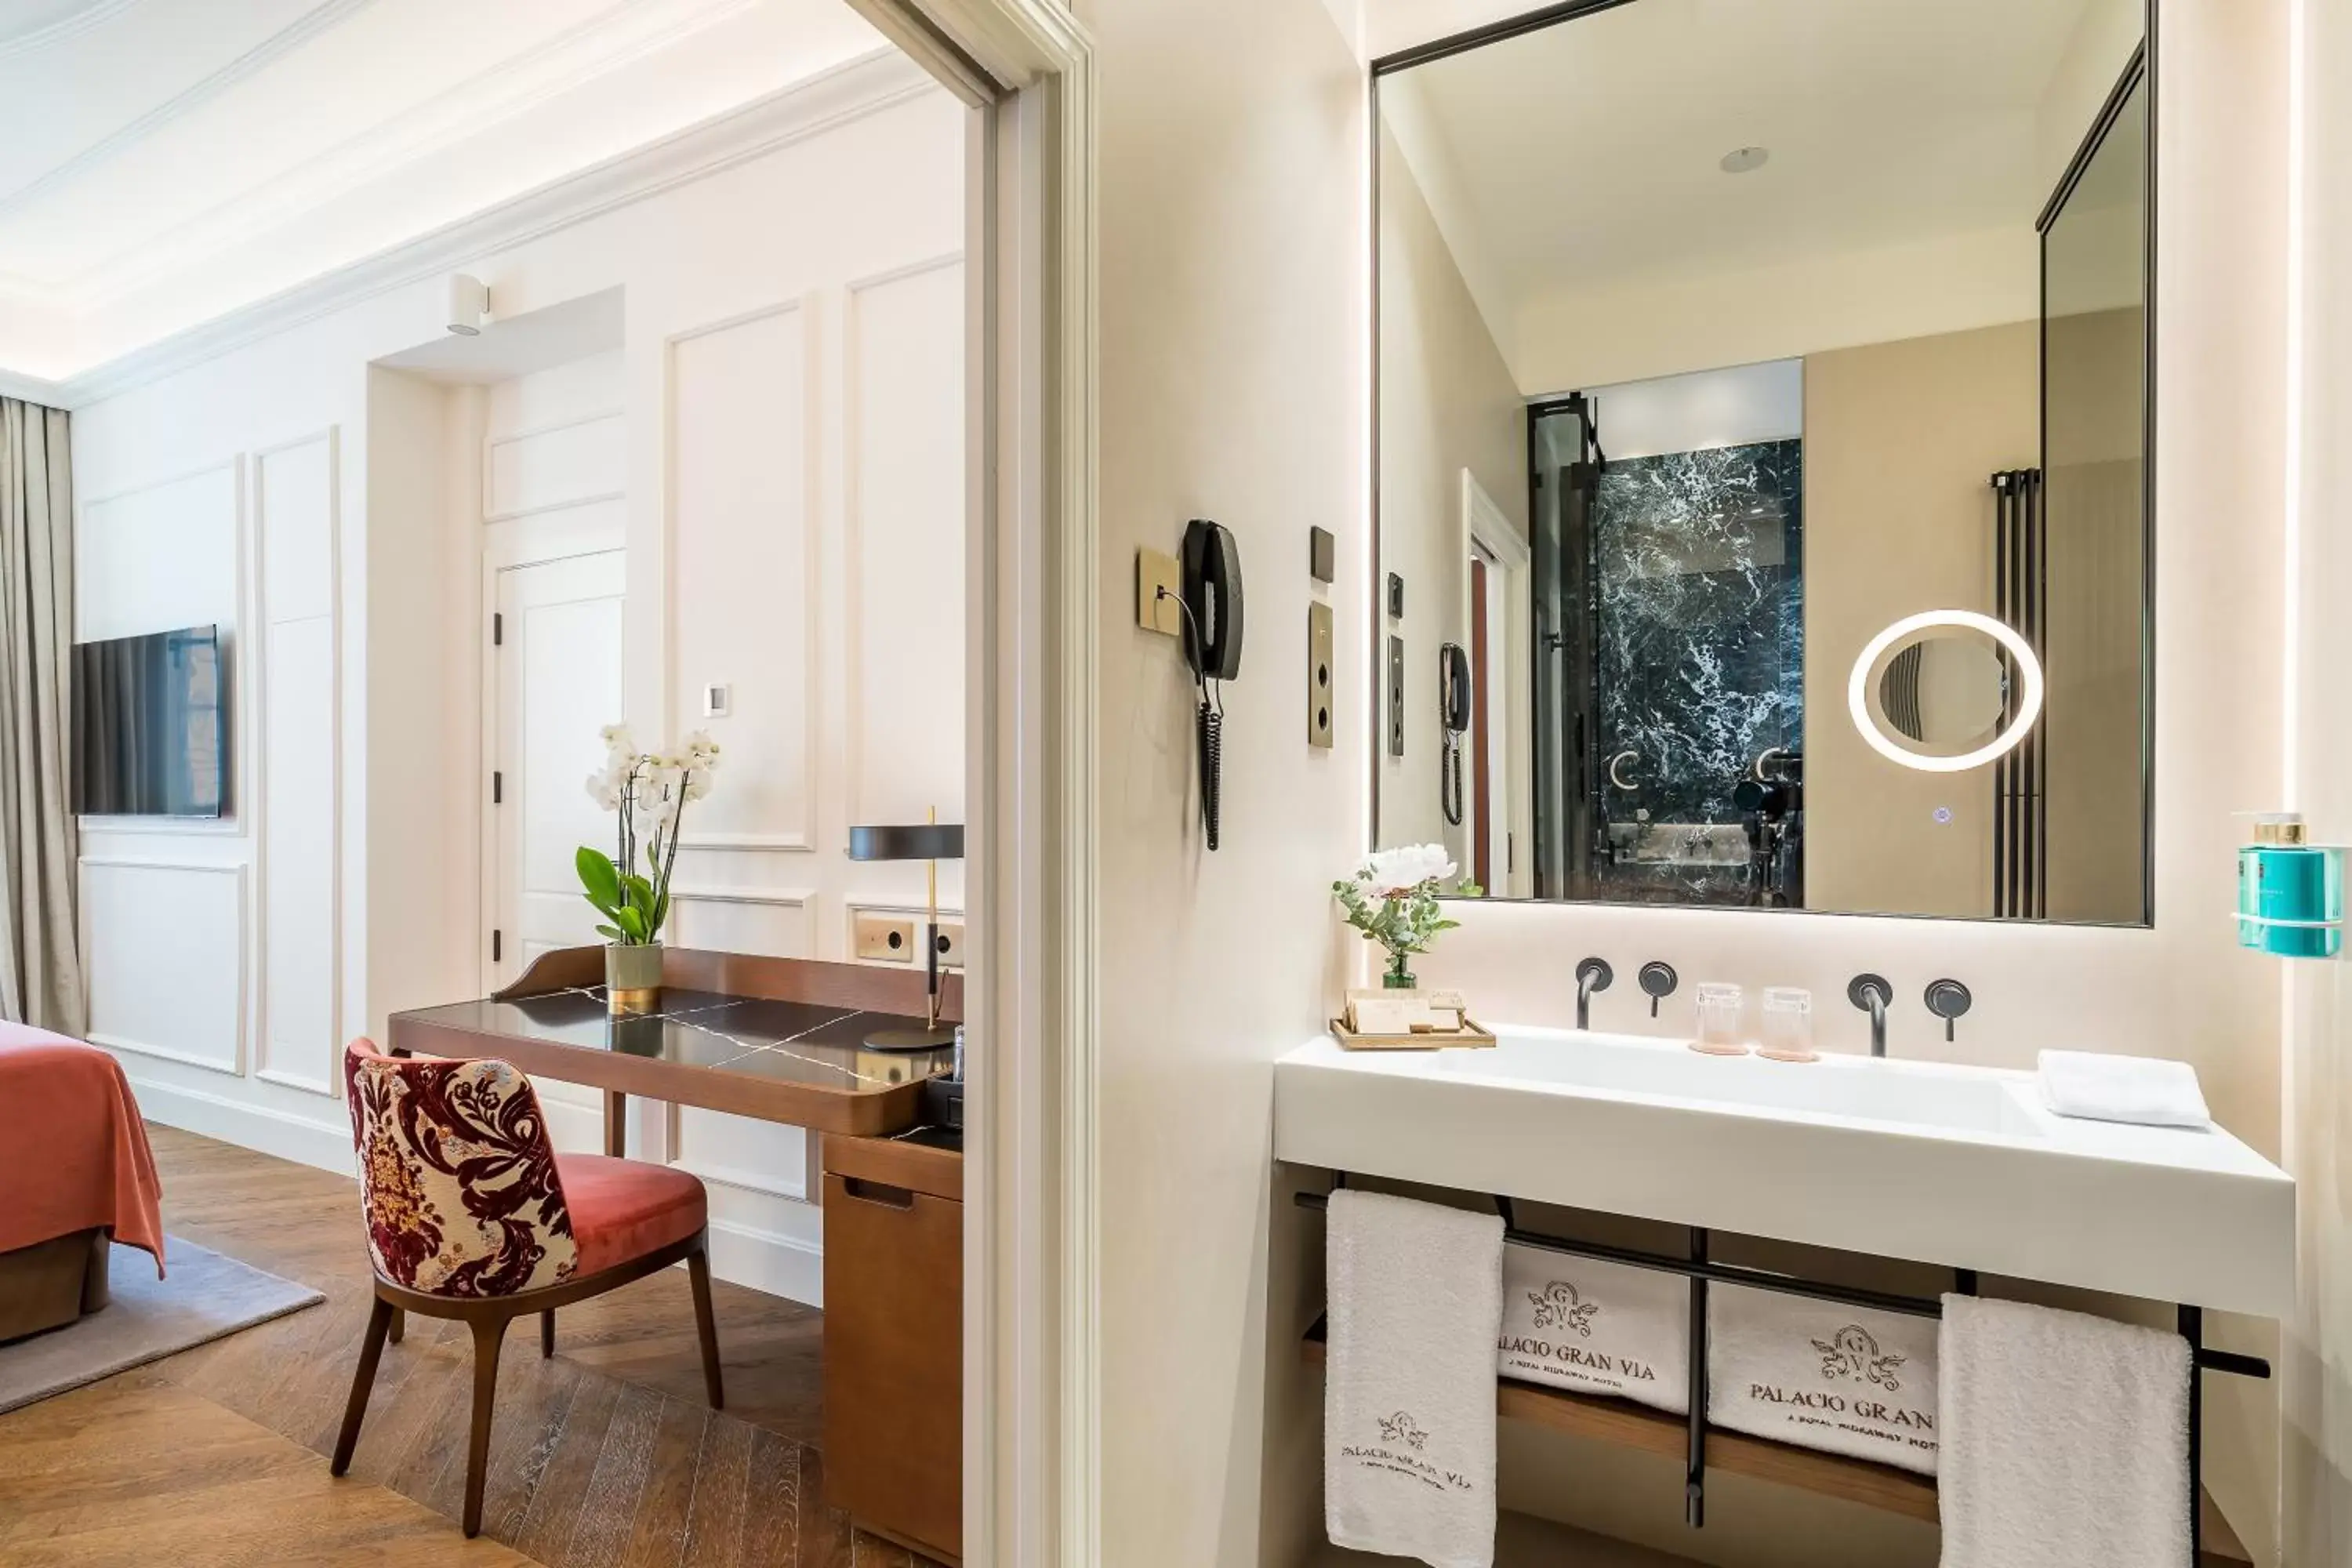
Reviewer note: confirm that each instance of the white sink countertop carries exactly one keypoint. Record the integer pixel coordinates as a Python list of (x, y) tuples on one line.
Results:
[(1934, 1162)]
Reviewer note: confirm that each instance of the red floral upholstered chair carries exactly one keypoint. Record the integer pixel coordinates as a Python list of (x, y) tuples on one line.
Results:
[(472, 1215)]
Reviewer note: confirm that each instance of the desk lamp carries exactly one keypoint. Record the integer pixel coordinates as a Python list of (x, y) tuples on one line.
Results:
[(933, 841)]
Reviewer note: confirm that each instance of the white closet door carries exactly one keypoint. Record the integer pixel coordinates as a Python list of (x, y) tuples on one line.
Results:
[(556, 683)]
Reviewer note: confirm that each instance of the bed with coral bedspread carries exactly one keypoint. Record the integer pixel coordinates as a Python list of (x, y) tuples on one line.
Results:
[(74, 1173)]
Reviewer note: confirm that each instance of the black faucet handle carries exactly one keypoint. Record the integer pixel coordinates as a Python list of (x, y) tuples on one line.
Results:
[(1864, 987), (1948, 999), (1658, 978)]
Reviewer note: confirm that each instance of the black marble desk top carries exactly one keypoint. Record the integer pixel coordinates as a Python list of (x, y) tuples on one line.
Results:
[(806, 1043)]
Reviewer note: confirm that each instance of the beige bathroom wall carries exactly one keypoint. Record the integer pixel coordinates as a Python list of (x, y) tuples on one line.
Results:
[(1447, 403), (1234, 335), (2316, 1373), (1900, 441), (2184, 988)]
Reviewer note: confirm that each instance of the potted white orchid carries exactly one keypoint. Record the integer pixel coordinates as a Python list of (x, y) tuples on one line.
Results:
[(1392, 899), (648, 792)]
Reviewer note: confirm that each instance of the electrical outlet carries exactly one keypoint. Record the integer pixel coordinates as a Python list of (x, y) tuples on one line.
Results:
[(950, 940), (1318, 676), (717, 700), (889, 939)]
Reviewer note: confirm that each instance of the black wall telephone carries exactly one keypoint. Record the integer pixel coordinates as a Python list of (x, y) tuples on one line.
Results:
[(1453, 708), (1212, 645)]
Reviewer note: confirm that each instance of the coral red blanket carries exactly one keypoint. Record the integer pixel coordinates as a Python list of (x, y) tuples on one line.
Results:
[(73, 1151)]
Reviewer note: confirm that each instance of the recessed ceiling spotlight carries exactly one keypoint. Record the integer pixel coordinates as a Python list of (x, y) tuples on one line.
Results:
[(1745, 160)]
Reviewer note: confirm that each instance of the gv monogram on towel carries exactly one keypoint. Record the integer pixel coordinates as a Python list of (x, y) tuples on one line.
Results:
[(1822, 1375), (1596, 1328)]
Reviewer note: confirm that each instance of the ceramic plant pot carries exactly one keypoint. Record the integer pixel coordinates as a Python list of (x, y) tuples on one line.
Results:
[(633, 978)]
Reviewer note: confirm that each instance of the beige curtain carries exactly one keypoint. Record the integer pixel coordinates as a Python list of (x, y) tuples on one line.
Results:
[(40, 947)]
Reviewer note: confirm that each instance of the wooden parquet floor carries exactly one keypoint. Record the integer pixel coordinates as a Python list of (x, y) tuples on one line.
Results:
[(606, 1456)]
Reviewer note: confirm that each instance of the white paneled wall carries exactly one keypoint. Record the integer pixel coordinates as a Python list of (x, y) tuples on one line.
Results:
[(743, 563), (775, 443), (815, 541), (164, 942), (299, 698)]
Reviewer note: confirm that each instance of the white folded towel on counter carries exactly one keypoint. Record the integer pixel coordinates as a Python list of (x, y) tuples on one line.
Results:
[(1596, 1328), (1819, 1375), (2066, 1439), (2143, 1091), (1409, 1403)]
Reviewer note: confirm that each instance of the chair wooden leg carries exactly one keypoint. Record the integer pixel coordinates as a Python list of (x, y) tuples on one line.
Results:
[(371, 1350), (399, 1323), (487, 1335), (546, 1333), (697, 1268)]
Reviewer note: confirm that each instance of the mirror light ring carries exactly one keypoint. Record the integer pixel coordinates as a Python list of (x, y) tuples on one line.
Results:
[(2022, 655)]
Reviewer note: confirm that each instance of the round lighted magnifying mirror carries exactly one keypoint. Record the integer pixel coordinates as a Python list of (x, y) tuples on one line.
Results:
[(1927, 692)]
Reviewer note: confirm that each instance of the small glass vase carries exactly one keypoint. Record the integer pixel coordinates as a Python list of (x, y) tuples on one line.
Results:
[(633, 977), (1398, 977)]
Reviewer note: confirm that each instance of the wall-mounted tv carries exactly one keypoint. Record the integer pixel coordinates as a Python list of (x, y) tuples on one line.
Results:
[(151, 725)]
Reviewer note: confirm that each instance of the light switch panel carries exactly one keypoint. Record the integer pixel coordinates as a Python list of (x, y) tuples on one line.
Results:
[(717, 700), (1396, 697), (1154, 612), (1318, 676)]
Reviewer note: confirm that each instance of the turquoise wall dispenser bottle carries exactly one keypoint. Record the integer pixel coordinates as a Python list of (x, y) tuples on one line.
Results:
[(2290, 892)]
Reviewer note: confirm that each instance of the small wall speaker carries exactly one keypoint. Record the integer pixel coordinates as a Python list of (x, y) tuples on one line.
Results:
[(469, 304)]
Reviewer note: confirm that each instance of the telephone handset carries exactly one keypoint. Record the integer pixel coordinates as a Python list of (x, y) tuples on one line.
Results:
[(1212, 596), (1453, 710), (1212, 645)]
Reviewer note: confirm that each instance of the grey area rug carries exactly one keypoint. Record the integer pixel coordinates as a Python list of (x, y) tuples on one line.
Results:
[(204, 1297)]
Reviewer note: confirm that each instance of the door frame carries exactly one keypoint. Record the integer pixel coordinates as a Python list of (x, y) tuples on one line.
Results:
[(1485, 526), (1027, 70)]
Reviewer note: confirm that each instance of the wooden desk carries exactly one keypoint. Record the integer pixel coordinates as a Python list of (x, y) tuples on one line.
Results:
[(772, 1038)]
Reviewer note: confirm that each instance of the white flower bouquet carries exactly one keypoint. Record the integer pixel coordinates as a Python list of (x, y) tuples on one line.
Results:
[(1392, 899), (649, 793)]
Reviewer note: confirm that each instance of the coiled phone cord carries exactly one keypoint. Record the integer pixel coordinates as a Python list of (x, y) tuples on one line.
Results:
[(1211, 727), (1449, 777)]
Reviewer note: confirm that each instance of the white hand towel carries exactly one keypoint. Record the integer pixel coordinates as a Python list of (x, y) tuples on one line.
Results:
[(1597, 1328), (1409, 1404), (2141, 1089), (1819, 1375), (2066, 1439)]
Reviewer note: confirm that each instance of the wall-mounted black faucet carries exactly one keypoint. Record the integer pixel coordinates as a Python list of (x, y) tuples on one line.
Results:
[(1872, 994), (1948, 999), (1592, 974), (1658, 979)]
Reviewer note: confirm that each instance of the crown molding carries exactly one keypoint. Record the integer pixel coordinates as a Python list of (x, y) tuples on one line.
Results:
[(616, 37), (33, 389), (63, 27), (868, 85), (319, 20)]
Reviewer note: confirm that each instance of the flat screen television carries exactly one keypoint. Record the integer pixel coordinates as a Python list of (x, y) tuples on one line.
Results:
[(151, 725)]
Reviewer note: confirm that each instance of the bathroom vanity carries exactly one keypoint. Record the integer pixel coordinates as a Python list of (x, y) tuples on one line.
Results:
[(1930, 1162), (1933, 1164)]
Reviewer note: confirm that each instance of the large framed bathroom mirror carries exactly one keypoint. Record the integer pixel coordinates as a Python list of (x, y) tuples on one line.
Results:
[(1764, 402)]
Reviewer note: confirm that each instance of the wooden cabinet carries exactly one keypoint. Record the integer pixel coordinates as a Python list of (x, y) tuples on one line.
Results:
[(894, 1338)]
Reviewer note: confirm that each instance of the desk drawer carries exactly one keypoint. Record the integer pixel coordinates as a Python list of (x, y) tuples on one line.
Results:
[(894, 1359)]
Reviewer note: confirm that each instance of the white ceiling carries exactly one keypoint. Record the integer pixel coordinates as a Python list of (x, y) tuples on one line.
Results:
[(163, 162), (1584, 158)]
